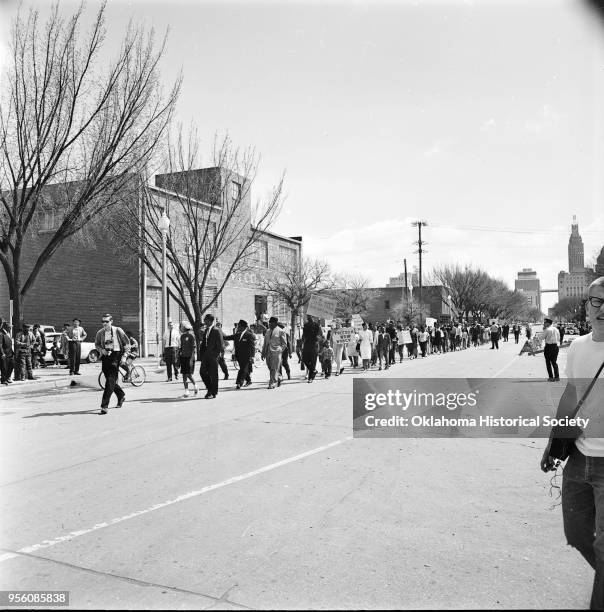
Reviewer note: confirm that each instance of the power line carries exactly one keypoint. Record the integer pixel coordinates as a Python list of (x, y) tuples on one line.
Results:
[(511, 231)]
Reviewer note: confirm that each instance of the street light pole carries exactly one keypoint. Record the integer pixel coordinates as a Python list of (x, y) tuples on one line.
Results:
[(164, 226)]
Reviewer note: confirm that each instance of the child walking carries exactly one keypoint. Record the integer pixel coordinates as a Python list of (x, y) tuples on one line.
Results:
[(326, 358)]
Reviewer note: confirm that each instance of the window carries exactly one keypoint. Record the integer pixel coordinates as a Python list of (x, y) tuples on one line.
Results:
[(209, 294), (387, 304), (280, 310), (261, 254), (235, 191), (260, 305), (287, 256), (48, 218)]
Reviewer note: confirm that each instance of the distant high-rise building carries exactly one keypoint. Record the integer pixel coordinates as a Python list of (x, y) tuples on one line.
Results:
[(576, 256), (574, 283), (600, 264), (529, 284)]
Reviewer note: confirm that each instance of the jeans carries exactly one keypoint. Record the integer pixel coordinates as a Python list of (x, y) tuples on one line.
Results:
[(75, 356), (24, 365), (583, 515)]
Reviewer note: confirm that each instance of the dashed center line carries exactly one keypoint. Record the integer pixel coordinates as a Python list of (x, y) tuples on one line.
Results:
[(76, 534)]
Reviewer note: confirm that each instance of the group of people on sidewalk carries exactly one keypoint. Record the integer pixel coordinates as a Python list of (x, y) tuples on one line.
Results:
[(19, 358)]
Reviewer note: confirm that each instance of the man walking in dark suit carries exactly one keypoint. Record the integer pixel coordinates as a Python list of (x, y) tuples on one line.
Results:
[(210, 348), (245, 351)]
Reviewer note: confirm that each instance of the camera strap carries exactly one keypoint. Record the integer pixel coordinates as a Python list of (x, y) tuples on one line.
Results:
[(587, 391)]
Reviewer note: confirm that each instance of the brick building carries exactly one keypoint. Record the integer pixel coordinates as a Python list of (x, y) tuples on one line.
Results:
[(87, 278), (434, 297)]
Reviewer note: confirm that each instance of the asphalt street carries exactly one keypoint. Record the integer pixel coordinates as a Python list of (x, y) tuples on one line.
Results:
[(262, 499)]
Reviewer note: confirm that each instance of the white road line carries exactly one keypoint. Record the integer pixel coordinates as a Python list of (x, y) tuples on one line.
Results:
[(76, 534), (505, 367)]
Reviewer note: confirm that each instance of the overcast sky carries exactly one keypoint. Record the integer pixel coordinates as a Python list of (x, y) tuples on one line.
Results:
[(467, 114)]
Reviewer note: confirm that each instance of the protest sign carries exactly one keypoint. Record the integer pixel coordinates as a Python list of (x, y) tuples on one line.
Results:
[(342, 335), (357, 322), (321, 307)]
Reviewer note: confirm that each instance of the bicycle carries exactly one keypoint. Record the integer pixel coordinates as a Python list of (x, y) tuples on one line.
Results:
[(136, 376)]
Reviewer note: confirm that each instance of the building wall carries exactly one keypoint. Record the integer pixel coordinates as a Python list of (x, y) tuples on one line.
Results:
[(86, 279), (599, 270), (528, 283), (83, 279), (388, 298), (574, 284)]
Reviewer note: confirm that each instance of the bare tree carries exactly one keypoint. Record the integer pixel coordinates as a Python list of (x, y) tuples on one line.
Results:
[(353, 295), (215, 231), (411, 312), (74, 130), (465, 285), (501, 302), (295, 283), (568, 308)]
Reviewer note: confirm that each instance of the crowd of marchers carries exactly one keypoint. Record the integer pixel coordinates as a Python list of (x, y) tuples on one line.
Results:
[(320, 351)]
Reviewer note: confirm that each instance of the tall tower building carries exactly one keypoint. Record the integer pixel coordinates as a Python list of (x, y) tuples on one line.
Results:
[(576, 259), (574, 283)]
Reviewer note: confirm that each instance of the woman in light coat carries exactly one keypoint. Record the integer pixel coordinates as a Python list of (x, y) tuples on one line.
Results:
[(366, 342), (338, 346)]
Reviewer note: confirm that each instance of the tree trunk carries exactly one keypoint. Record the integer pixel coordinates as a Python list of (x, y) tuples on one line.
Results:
[(17, 298), (292, 335)]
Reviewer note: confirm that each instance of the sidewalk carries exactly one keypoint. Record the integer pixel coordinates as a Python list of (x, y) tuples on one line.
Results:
[(49, 378)]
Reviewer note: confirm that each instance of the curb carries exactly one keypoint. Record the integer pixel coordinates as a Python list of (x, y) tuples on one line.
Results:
[(63, 382)]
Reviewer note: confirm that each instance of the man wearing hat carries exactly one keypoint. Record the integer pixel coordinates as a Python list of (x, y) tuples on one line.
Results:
[(210, 347), (275, 341), (551, 340), (245, 351), (24, 344)]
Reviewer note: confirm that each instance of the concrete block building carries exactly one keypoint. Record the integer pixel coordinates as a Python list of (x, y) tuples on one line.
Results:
[(88, 276)]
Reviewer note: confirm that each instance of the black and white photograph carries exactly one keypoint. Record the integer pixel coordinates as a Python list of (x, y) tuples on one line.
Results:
[(302, 304)]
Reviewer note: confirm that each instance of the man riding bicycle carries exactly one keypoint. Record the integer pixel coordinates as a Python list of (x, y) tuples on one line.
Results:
[(132, 355)]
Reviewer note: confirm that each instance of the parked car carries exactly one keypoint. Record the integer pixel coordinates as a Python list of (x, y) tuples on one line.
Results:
[(89, 351)]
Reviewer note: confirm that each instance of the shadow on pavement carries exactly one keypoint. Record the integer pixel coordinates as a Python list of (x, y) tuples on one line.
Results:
[(54, 414)]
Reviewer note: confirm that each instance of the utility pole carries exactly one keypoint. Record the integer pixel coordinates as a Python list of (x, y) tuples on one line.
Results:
[(420, 243), (406, 289)]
